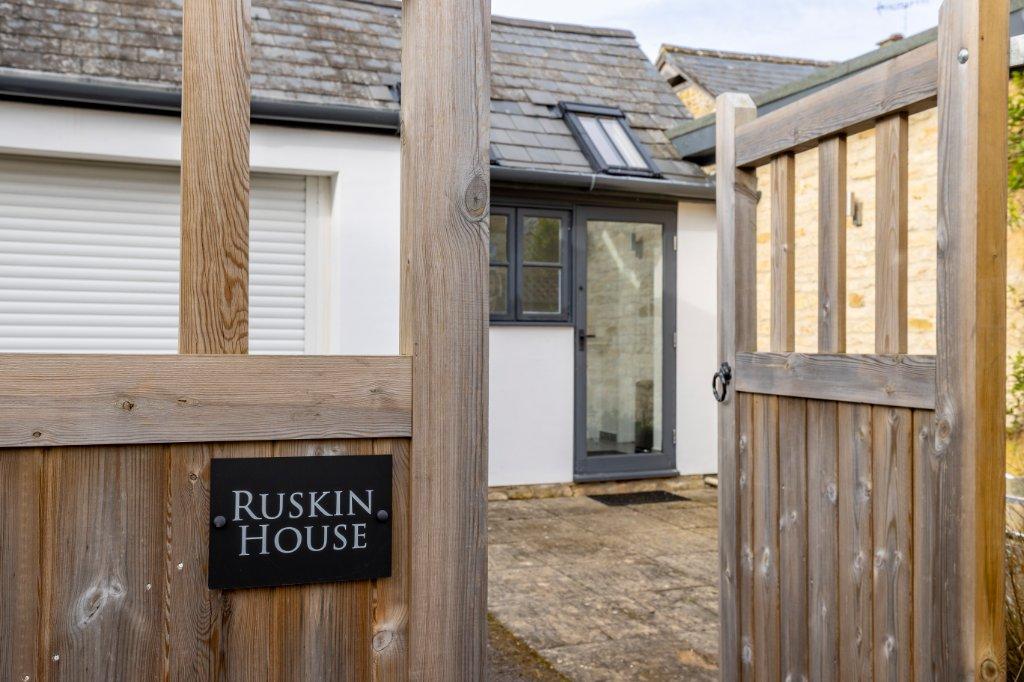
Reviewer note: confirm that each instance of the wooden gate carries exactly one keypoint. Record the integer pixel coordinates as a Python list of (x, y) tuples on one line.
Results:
[(861, 496), (105, 460)]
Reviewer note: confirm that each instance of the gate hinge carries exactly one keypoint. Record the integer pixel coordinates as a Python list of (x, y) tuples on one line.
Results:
[(675, 242), (675, 339), (673, 436)]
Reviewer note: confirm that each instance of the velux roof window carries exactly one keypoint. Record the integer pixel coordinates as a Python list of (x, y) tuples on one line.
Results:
[(607, 140)]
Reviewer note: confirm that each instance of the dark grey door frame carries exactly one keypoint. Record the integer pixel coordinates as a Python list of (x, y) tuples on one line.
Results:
[(637, 465)]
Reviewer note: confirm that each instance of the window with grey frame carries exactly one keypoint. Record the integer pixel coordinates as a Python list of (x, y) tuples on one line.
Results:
[(607, 141), (529, 265)]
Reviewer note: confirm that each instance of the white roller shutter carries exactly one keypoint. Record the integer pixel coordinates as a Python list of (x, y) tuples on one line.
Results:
[(89, 258)]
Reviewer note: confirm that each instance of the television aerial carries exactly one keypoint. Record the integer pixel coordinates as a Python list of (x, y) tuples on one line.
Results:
[(899, 6)]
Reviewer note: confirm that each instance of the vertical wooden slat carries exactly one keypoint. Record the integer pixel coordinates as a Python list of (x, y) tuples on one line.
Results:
[(929, 659), (891, 162), (783, 211), (214, 299), (765, 451), (21, 563), (832, 245), (736, 200), (971, 336), (822, 540), (445, 179), (856, 550), (106, 560), (891, 522), (323, 631), (744, 514), (793, 537), (391, 595)]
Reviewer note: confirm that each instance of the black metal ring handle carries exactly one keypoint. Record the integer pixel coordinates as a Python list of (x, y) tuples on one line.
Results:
[(720, 382)]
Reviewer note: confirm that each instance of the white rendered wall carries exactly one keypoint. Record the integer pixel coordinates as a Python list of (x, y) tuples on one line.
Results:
[(356, 256), (697, 352), (531, 405)]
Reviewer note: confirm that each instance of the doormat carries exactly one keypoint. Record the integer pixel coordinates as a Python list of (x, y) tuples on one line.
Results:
[(648, 497)]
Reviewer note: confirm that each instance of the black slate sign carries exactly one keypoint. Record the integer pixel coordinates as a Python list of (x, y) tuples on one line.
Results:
[(295, 520)]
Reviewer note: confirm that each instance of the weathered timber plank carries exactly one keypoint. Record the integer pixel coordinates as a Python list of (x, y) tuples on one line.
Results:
[(856, 550), (971, 335), (105, 556), (736, 203), (832, 245), (322, 631), (822, 540), (446, 56), (896, 380), (929, 472), (214, 302), (891, 523), (391, 595), (70, 400), (783, 211), (192, 624), (744, 514), (765, 456), (793, 537), (904, 84), (21, 564), (891, 163)]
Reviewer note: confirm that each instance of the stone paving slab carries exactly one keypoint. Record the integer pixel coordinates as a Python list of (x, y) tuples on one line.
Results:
[(609, 593)]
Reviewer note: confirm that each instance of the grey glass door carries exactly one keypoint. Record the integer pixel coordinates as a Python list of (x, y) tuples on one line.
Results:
[(625, 322)]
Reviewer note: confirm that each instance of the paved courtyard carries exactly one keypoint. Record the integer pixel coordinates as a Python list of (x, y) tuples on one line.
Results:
[(609, 593)]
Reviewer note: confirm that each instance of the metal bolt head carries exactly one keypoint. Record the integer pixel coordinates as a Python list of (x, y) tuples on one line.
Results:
[(219, 521), (962, 55), (382, 515)]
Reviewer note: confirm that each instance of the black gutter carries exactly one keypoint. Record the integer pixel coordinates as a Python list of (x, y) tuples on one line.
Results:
[(49, 90), (594, 182)]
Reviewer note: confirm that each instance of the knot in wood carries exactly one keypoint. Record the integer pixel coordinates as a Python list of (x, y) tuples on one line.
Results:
[(989, 669), (127, 405), (475, 199), (382, 639)]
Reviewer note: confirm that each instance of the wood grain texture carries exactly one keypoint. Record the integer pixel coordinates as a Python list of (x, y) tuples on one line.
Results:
[(389, 658), (214, 303), (21, 567), (856, 548), (744, 513), (71, 400), (736, 202), (793, 537), (444, 321), (892, 462), (783, 254), (891, 164), (105, 554), (906, 83), (823, 540), (832, 245), (929, 472), (971, 335), (765, 488), (900, 381)]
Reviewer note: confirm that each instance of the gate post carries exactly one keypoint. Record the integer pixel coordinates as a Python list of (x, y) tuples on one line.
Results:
[(445, 182), (968, 518), (736, 198)]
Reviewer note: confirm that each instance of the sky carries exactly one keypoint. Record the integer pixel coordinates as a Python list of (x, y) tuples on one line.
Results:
[(817, 29)]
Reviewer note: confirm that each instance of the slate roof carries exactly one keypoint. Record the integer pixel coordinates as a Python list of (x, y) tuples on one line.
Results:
[(348, 52), (716, 71)]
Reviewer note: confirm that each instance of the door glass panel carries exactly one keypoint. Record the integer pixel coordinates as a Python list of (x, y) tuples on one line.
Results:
[(625, 336), (541, 289), (499, 238), (542, 240)]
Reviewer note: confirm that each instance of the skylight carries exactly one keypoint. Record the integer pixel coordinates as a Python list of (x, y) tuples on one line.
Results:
[(607, 140)]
